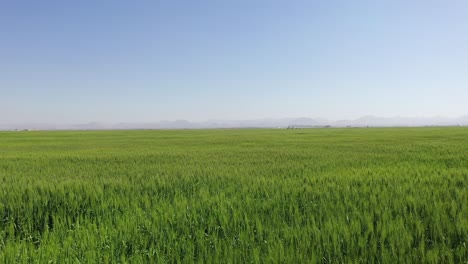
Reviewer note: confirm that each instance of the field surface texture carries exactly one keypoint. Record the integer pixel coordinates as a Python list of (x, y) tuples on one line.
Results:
[(235, 196)]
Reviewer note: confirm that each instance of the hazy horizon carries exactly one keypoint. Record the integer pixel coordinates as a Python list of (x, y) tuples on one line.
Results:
[(365, 121), (120, 61)]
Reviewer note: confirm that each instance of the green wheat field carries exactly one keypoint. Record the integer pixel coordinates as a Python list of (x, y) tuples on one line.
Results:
[(364, 195)]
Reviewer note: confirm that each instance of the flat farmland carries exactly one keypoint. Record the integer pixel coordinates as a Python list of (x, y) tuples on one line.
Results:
[(364, 195)]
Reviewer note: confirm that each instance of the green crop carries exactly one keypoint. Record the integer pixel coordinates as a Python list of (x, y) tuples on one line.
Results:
[(394, 195)]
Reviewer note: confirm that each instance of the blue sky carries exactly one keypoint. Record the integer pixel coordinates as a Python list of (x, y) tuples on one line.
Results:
[(144, 61)]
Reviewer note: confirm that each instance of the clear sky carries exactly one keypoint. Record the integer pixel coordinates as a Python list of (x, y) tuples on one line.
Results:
[(142, 61)]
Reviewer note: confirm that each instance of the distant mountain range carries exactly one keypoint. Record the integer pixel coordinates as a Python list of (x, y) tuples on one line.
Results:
[(365, 121)]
